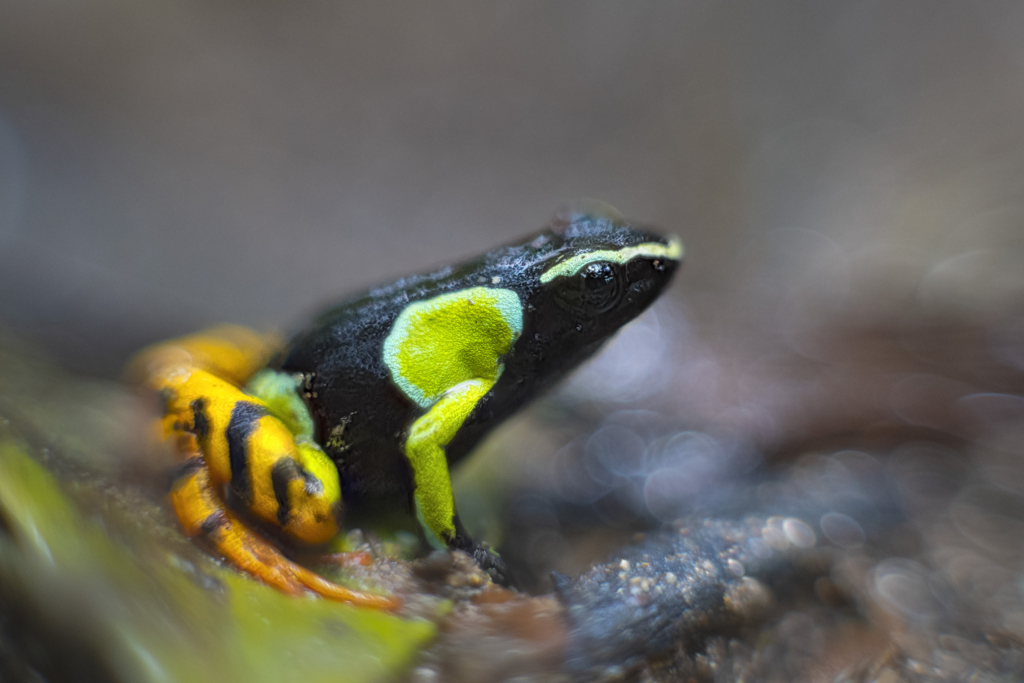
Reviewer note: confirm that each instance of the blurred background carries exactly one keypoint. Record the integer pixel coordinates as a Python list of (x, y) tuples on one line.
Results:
[(847, 177), (164, 166)]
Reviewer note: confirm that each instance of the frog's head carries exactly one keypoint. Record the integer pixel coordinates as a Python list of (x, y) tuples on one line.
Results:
[(599, 272), (606, 272)]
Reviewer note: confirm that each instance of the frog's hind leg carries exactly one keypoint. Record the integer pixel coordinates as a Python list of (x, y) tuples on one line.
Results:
[(228, 438), (202, 513)]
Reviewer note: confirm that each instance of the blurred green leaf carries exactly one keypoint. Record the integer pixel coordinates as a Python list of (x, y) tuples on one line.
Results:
[(87, 560)]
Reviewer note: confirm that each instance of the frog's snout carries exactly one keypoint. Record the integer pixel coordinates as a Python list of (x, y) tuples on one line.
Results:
[(655, 262)]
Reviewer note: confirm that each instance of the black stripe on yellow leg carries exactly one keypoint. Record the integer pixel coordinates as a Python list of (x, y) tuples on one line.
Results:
[(193, 497), (285, 471), (200, 421), (308, 505), (253, 442), (200, 405), (184, 470), (245, 419), (292, 483), (201, 512), (213, 522)]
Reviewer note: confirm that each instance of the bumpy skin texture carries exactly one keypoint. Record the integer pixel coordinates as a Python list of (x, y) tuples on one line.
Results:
[(363, 416)]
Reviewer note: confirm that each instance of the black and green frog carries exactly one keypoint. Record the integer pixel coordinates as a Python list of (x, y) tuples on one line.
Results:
[(381, 394)]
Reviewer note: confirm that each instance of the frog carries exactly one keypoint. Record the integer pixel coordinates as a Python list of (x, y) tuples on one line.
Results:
[(383, 393)]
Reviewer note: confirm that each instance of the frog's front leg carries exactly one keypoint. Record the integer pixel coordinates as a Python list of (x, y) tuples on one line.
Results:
[(425, 450), (445, 354), (233, 439)]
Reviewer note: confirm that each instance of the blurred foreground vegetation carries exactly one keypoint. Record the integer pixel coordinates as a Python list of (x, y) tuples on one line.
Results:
[(97, 584)]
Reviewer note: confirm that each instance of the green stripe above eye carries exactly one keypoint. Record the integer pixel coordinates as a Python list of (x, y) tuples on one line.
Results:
[(673, 251)]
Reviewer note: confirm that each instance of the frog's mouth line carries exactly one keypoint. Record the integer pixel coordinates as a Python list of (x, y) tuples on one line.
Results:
[(672, 251)]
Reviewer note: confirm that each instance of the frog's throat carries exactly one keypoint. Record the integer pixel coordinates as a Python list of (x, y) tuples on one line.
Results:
[(673, 251), (439, 343)]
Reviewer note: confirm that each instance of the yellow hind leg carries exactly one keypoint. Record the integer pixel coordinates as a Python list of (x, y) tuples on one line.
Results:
[(228, 439), (202, 513)]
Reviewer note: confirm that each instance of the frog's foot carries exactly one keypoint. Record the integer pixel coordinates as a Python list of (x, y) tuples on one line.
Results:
[(491, 563), (201, 513)]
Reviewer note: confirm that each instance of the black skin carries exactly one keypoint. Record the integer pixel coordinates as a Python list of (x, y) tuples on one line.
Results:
[(362, 416)]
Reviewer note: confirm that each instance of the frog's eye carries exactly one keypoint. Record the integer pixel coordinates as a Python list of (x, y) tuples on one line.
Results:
[(602, 286)]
